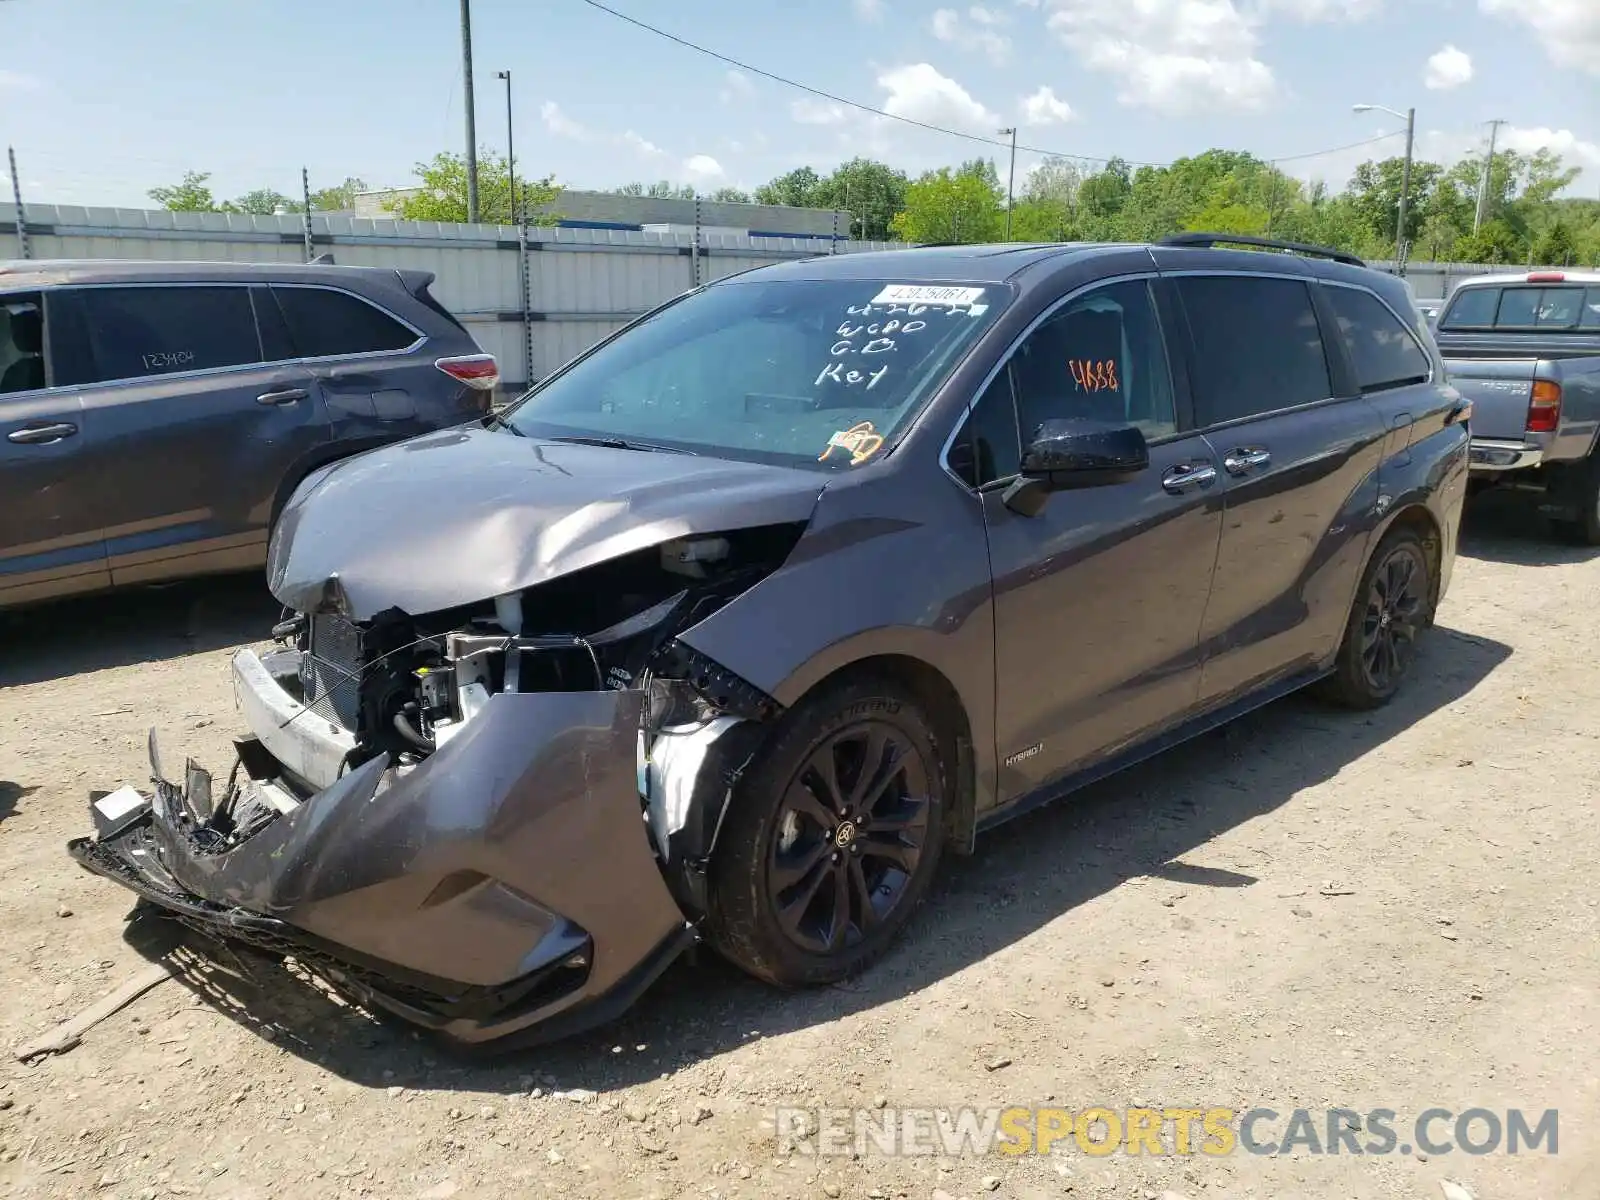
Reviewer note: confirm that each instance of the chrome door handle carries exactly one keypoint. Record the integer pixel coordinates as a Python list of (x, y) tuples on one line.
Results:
[(1187, 476), (282, 396), (1245, 459), (42, 435)]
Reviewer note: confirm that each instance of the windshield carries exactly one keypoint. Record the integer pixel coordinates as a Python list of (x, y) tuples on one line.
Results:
[(820, 373)]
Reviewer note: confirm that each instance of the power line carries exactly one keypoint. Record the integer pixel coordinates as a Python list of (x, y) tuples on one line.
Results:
[(1382, 137), (845, 100), (956, 133)]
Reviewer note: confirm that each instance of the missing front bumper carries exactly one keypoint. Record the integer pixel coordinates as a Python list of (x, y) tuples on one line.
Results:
[(462, 894)]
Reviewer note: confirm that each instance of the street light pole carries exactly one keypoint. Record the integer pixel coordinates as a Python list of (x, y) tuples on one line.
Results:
[(511, 151), (1011, 177), (1482, 211), (471, 107), (1410, 118)]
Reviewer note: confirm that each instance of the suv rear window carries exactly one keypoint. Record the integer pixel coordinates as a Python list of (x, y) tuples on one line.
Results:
[(1383, 351), (324, 323), (141, 332), (1519, 308)]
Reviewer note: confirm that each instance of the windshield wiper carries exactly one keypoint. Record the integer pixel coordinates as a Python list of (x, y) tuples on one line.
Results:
[(498, 419), (616, 443)]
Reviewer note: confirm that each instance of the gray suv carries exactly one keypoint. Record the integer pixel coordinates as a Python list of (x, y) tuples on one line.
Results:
[(729, 628), (155, 417)]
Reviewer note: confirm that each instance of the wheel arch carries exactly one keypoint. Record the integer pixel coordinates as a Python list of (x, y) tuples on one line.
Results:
[(1417, 516)]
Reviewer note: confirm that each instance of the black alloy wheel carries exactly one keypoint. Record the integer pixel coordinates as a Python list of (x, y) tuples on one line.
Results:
[(1396, 602), (851, 830), (833, 835)]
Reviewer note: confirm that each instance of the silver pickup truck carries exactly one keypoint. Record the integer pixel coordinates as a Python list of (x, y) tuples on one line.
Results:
[(1524, 349)]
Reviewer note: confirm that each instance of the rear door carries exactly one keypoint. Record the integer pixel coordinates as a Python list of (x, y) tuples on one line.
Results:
[(195, 432), (1098, 599), (1299, 450), (50, 541), (361, 358)]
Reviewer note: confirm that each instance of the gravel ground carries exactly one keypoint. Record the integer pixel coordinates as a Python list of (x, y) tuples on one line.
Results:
[(1309, 909)]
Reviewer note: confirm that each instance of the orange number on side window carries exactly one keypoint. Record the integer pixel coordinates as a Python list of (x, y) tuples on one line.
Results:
[(1094, 375)]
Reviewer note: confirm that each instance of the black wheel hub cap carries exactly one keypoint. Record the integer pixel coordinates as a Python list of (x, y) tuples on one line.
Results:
[(850, 832), (1393, 617)]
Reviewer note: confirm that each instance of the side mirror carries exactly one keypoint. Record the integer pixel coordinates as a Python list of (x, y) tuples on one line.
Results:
[(1074, 453)]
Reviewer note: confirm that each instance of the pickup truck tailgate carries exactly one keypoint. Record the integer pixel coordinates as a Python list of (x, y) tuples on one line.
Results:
[(1499, 389)]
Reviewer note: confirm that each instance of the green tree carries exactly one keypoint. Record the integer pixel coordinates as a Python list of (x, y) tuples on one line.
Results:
[(960, 205), (340, 196), (1495, 242), (1102, 196), (795, 189), (1374, 192), (1555, 247), (730, 195), (264, 202), (870, 192), (443, 196), (190, 194)]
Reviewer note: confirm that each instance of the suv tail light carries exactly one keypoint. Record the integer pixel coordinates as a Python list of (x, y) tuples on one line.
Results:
[(1544, 408), (478, 371)]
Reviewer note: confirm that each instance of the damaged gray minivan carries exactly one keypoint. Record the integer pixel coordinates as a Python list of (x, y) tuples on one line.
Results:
[(728, 628)]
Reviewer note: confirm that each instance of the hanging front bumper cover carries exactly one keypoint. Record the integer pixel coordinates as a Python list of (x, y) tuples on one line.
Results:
[(504, 888)]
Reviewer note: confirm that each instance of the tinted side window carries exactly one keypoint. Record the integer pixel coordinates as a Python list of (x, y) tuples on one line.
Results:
[(987, 447), (140, 332), (1473, 308), (1258, 347), (21, 344), (324, 322), (1383, 350), (1102, 358)]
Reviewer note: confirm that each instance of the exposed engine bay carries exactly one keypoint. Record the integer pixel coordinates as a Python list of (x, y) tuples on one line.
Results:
[(402, 687)]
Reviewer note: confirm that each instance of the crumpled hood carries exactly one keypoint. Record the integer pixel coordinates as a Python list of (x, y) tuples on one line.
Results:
[(461, 516)]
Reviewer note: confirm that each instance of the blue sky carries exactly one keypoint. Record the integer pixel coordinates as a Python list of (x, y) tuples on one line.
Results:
[(104, 99)]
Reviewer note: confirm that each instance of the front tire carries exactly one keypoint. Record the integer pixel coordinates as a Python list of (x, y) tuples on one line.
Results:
[(1393, 605), (833, 836)]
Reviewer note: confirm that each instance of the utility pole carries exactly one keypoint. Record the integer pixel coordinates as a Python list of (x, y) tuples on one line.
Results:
[(1405, 195), (471, 106), (1011, 178), (305, 210), (1482, 212), (16, 196), (511, 151)]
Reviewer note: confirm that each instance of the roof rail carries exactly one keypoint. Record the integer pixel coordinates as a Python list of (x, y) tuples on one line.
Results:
[(1206, 240)]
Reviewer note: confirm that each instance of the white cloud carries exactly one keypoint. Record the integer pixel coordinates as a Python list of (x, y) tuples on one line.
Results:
[(977, 32), (1449, 68), (18, 81), (702, 168), (869, 10), (1323, 10), (641, 144), (920, 93), (736, 86), (1568, 29), (558, 123), (808, 111), (1044, 107), (1171, 55), (1574, 149)]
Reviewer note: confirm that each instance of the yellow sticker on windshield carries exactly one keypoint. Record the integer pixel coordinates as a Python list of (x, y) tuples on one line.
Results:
[(860, 441)]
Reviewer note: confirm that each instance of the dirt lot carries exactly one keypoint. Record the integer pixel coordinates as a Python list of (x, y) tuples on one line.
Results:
[(1310, 909)]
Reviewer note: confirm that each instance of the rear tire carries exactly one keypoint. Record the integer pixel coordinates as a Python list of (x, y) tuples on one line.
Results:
[(1584, 492), (833, 836), (1393, 605)]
